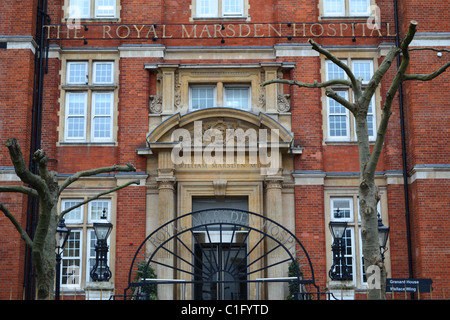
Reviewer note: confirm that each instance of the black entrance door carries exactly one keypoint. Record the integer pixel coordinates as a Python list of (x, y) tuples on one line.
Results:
[(221, 272), (220, 251)]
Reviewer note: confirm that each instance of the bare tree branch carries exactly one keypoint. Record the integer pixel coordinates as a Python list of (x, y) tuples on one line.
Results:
[(21, 169), (356, 84), (17, 225), (126, 168), (378, 75), (333, 95), (311, 85), (427, 77), (101, 194), (382, 129), (41, 159), (21, 189), (432, 49)]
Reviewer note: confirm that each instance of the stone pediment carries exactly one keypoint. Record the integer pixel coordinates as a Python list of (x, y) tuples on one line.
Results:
[(218, 122)]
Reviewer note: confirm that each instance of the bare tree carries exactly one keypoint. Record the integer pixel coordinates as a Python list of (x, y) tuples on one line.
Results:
[(368, 190), (44, 187)]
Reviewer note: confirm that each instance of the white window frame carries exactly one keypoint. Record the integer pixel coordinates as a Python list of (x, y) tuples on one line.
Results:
[(90, 89), (70, 64), (93, 8), (94, 116), (346, 9), (67, 216), (213, 12), (369, 61), (237, 86), (67, 116), (76, 269), (94, 72), (354, 224), (351, 130), (334, 14), (332, 206), (347, 120), (350, 228), (328, 63), (218, 10), (99, 15), (233, 14), (209, 86), (83, 226), (359, 14), (73, 12)]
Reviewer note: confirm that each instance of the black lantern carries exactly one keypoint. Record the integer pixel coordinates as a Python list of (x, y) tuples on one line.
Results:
[(100, 271), (103, 228), (339, 270), (383, 235), (337, 229), (61, 236)]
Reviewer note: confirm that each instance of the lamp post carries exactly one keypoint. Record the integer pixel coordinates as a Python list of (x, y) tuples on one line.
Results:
[(339, 270), (383, 235), (62, 234), (100, 271)]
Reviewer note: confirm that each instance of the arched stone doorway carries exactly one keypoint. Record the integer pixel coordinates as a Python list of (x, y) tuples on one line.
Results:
[(223, 253)]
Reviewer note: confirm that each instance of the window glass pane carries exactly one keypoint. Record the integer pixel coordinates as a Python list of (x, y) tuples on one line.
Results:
[(91, 242), (79, 8), (359, 7), (202, 97), (91, 251), (103, 72), (207, 7), (334, 7), (362, 69), (338, 120), (77, 72), (102, 103), (76, 103), (76, 108), (341, 208), (102, 127), (348, 251), (75, 215), (75, 128), (71, 260), (237, 98), (105, 8), (96, 210), (334, 72), (101, 115), (232, 7)]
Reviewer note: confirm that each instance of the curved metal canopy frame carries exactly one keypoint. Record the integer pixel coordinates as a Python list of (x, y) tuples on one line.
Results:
[(226, 228)]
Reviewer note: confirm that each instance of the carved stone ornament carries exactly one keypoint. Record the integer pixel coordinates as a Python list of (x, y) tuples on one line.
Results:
[(155, 104), (177, 89), (283, 103), (262, 92)]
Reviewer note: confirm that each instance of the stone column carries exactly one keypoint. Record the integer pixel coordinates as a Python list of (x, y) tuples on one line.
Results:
[(274, 211), (166, 210)]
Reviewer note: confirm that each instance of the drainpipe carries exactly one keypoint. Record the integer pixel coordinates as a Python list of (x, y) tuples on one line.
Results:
[(40, 67), (405, 168)]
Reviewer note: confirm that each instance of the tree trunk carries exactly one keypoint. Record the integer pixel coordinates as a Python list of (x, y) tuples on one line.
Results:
[(373, 263), (44, 186), (368, 200)]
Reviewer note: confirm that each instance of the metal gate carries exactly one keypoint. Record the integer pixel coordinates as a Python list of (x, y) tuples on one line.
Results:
[(220, 253)]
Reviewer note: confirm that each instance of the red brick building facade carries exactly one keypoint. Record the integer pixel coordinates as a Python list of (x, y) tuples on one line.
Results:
[(96, 83)]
